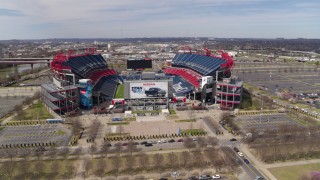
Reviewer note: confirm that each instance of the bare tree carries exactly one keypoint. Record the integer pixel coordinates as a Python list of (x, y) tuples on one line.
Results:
[(39, 168), (144, 161), (118, 147), (23, 169), (70, 170), (93, 129), (77, 126), (158, 160), (64, 151), (104, 149), (184, 158), (24, 153), (93, 149), (132, 147), (39, 153), (11, 153), (55, 167), (87, 165), (212, 141), (101, 168), (8, 167), (116, 163), (202, 142), (173, 159), (130, 163), (77, 151), (188, 143), (52, 152)]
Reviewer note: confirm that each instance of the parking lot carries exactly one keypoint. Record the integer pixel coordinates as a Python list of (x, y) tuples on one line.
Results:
[(7, 104), (274, 77), (12, 96), (263, 122), (35, 134)]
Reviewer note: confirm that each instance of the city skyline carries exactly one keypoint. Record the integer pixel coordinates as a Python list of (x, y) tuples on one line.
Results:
[(35, 19)]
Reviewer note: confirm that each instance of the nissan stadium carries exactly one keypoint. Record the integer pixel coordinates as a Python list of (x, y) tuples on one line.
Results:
[(85, 81)]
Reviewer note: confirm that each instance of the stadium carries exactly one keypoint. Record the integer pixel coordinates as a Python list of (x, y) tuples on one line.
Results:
[(85, 81)]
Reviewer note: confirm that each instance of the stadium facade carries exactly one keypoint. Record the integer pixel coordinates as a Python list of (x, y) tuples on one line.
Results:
[(85, 80), (210, 76)]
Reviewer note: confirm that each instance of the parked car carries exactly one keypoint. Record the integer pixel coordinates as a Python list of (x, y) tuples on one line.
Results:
[(193, 178), (258, 178), (236, 149), (40, 149), (240, 154), (217, 176), (171, 141), (246, 161), (180, 140), (144, 142), (163, 141), (233, 139), (148, 144), (204, 177)]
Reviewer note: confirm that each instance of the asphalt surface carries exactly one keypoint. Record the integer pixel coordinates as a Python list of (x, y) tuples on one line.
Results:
[(35, 134), (265, 121), (275, 78)]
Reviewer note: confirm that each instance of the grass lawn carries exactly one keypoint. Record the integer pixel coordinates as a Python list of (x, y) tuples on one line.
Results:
[(294, 172), (60, 132), (34, 112), (118, 123), (153, 111), (117, 134), (130, 119), (172, 111), (2, 127), (172, 117), (193, 131), (120, 91), (186, 120)]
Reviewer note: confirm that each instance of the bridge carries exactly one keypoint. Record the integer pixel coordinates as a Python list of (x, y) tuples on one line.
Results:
[(31, 61)]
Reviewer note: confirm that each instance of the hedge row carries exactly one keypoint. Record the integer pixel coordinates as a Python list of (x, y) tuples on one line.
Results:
[(27, 123), (27, 145), (247, 113), (142, 137), (75, 138)]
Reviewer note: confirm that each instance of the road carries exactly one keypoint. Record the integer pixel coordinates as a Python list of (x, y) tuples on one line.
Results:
[(224, 140)]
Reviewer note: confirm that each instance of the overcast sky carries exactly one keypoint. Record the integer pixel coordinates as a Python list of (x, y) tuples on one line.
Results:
[(35, 19)]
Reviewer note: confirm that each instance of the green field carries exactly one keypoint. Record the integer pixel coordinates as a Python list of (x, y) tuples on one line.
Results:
[(34, 112), (120, 91), (118, 123), (294, 172), (186, 120), (192, 131)]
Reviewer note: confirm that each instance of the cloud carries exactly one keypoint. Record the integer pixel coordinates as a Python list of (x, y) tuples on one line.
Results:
[(138, 18), (10, 12)]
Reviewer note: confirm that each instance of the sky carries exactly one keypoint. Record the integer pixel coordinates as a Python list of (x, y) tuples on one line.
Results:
[(40, 19)]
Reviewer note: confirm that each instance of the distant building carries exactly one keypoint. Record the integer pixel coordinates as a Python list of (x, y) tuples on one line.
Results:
[(1, 51)]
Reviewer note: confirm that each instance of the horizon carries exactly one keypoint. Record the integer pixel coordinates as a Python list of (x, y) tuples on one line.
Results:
[(35, 19), (102, 38)]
